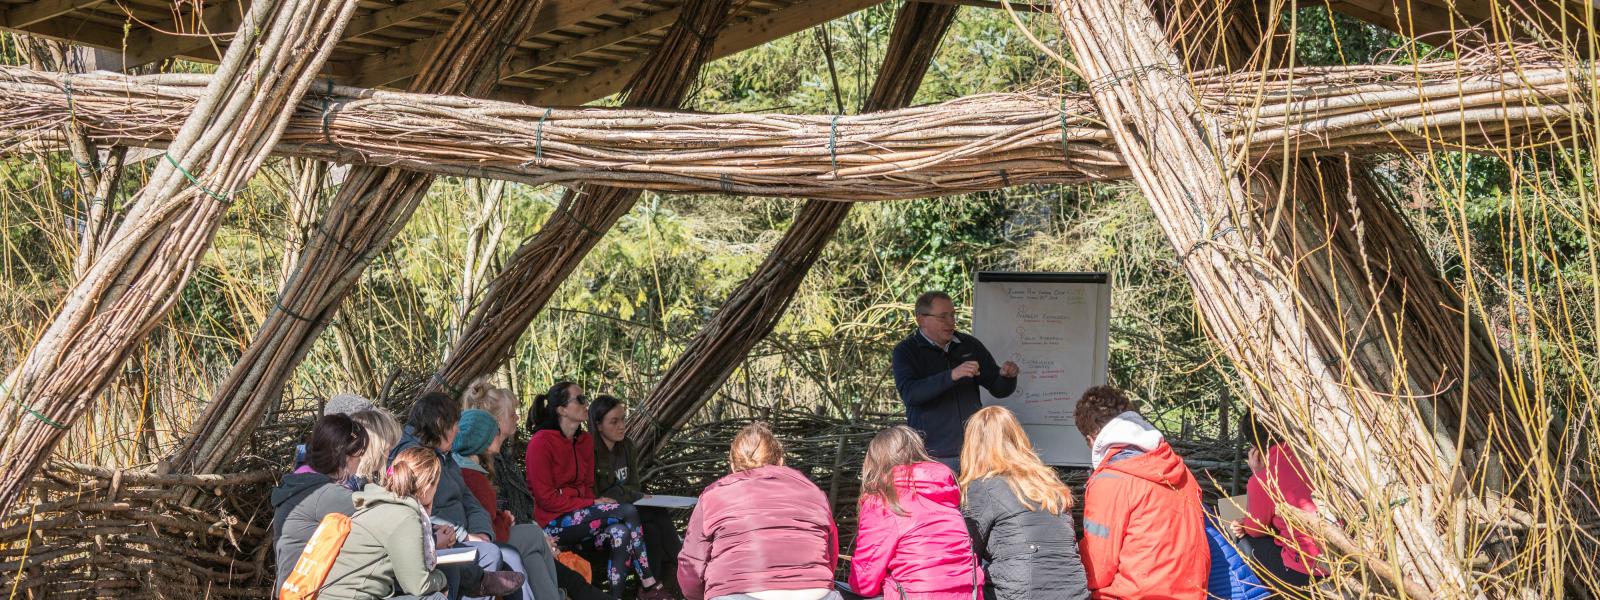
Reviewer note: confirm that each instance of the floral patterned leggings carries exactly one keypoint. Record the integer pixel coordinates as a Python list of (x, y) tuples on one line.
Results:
[(603, 524)]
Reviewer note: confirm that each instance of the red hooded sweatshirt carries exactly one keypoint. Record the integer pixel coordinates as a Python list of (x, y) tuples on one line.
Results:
[(1284, 478), (925, 553), (560, 473), (1143, 533)]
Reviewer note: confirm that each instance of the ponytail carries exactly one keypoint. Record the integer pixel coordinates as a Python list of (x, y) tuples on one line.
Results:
[(413, 470)]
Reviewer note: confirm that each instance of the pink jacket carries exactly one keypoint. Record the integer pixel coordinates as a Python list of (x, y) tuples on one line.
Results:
[(926, 553), (1284, 479), (768, 528)]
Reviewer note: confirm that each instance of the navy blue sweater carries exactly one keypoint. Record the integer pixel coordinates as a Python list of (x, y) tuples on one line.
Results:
[(935, 405)]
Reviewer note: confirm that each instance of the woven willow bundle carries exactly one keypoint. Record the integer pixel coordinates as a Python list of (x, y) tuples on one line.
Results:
[(970, 144), (128, 289)]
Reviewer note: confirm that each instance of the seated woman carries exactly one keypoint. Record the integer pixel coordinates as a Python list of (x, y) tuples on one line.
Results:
[(511, 488), (1020, 512), (617, 476), (315, 490), (1289, 557), (560, 472), (478, 439), (387, 553), (383, 432), (463, 524), (765, 532), (913, 542)]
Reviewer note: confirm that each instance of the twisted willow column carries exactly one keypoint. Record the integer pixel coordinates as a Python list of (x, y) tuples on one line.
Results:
[(276, 53), (1362, 439)]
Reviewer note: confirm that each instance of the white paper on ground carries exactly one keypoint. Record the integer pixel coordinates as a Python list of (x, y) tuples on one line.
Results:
[(456, 558), (667, 501)]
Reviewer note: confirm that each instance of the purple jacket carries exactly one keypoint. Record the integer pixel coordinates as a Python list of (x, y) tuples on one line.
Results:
[(767, 528)]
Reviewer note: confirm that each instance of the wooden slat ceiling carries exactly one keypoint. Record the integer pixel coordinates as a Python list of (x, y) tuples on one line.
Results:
[(579, 50)]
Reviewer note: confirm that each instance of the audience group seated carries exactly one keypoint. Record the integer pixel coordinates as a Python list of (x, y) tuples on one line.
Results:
[(438, 509)]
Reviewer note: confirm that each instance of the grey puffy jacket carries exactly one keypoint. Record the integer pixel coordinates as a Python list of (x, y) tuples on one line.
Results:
[(1032, 554)]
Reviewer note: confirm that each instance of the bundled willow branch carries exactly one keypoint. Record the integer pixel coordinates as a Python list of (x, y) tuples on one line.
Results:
[(128, 289), (519, 291), (753, 310), (970, 144), (1288, 343)]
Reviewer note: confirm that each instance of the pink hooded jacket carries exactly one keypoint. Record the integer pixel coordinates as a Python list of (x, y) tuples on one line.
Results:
[(927, 553)]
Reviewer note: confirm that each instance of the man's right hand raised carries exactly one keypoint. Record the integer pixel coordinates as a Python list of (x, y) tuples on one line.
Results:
[(964, 370)]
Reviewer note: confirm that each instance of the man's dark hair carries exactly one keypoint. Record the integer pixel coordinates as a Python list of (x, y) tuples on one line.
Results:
[(925, 301), (333, 440), (1098, 406), (1255, 432), (432, 417)]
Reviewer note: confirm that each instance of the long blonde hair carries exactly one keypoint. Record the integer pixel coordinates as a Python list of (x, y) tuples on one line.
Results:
[(994, 445), (383, 432), (892, 447)]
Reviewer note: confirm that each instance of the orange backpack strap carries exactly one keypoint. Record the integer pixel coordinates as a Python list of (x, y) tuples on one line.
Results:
[(316, 560)]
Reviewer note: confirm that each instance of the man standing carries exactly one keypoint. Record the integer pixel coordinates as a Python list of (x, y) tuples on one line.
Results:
[(937, 372)]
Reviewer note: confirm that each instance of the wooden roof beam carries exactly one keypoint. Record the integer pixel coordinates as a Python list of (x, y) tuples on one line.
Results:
[(1425, 17), (400, 63), (40, 11), (398, 14), (605, 39), (148, 46), (741, 35), (80, 31)]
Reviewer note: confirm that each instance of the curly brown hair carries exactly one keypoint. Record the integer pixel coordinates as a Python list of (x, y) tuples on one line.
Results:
[(1098, 406)]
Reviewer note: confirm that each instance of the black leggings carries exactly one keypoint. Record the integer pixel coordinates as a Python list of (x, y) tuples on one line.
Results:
[(1287, 582), (661, 541)]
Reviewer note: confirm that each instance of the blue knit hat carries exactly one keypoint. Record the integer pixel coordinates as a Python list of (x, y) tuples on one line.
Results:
[(478, 428)]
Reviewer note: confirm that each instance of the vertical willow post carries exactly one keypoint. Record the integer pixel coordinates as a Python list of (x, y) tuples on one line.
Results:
[(1202, 199)]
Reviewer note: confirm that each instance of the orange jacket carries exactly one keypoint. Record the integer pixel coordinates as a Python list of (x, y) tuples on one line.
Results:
[(1143, 530)]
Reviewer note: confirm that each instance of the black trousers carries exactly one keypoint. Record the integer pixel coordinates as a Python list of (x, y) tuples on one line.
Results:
[(1286, 582), (661, 541)]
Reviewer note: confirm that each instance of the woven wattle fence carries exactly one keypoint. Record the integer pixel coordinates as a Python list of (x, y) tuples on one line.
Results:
[(105, 533)]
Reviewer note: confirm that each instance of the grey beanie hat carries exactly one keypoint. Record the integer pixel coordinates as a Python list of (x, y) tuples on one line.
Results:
[(346, 404)]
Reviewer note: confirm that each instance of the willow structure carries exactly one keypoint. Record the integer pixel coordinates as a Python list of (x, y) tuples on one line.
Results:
[(134, 282), (970, 144), (1304, 272), (753, 309)]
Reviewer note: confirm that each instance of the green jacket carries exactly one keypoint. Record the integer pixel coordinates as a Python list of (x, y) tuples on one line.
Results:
[(616, 472), (386, 552)]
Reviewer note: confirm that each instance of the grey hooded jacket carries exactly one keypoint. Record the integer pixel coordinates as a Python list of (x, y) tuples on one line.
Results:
[(1032, 554), (299, 503)]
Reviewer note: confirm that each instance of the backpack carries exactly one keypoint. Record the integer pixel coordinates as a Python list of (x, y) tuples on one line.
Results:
[(316, 560)]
